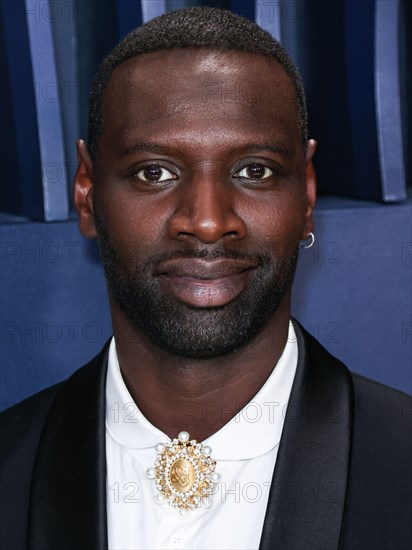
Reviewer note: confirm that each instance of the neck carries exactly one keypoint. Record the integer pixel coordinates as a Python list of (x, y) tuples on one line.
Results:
[(198, 396)]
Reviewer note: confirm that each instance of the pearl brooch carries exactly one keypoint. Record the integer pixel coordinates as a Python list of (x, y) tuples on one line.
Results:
[(184, 474)]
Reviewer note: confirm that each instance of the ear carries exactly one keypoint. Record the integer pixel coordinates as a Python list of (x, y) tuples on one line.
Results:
[(310, 189), (83, 190)]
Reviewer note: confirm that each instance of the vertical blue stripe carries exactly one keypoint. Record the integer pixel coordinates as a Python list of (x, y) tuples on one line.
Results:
[(65, 40), (152, 8), (387, 95), (54, 181), (268, 17)]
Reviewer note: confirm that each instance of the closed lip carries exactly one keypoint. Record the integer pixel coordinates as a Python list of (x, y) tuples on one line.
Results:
[(201, 269)]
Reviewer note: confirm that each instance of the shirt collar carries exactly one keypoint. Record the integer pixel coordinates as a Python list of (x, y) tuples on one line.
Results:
[(254, 431)]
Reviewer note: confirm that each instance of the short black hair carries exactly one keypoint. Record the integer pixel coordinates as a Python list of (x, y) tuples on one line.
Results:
[(198, 27)]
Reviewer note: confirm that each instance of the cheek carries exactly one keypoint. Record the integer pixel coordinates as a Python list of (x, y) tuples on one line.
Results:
[(133, 224), (276, 219)]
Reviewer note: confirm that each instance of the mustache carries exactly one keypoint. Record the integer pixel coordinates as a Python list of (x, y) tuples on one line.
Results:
[(217, 252), (210, 254)]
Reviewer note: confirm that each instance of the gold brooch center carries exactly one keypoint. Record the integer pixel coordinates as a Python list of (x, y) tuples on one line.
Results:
[(182, 475)]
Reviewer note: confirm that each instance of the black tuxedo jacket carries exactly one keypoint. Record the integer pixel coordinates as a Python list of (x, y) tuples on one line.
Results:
[(342, 478)]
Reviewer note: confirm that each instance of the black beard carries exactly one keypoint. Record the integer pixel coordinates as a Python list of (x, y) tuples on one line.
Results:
[(192, 332)]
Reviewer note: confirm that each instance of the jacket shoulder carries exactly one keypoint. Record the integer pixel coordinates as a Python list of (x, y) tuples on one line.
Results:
[(378, 511), (381, 407), (22, 424), (378, 514), (32, 408), (373, 387), (22, 429)]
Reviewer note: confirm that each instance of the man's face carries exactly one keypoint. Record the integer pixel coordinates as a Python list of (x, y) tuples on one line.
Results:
[(200, 197)]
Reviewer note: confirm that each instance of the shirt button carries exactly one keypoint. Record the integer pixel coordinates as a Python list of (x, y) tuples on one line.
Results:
[(176, 541)]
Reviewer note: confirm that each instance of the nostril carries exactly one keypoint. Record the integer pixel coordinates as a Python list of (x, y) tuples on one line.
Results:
[(206, 214)]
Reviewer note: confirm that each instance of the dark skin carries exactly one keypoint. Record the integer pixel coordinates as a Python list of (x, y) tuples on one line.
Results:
[(214, 114)]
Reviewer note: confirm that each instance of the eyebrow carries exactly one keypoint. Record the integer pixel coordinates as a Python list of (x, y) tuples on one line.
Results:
[(277, 148), (144, 147)]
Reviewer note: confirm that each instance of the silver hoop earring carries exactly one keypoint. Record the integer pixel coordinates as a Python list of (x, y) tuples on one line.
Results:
[(312, 236)]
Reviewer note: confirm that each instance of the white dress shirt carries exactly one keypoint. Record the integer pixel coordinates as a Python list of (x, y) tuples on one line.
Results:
[(245, 450)]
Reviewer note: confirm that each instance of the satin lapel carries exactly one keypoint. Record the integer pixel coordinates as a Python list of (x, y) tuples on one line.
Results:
[(68, 493), (307, 496)]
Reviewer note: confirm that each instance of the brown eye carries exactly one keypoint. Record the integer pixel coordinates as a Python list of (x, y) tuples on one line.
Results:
[(155, 173), (255, 171)]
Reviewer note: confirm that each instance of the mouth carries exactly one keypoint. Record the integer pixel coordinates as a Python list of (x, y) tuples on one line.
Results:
[(200, 283)]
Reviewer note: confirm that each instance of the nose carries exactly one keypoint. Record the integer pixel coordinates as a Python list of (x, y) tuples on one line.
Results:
[(205, 208)]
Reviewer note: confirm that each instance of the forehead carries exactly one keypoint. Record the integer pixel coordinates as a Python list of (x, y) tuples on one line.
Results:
[(200, 89)]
